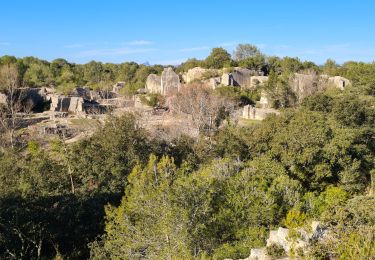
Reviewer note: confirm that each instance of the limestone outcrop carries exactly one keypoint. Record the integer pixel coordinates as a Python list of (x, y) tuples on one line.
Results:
[(305, 85), (67, 104), (281, 238), (153, 84), (170, 82), (167, 83), (339, 82), (196, 73), (244, 78)]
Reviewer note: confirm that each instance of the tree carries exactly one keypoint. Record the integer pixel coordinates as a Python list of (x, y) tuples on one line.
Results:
[(245, 51), (330, 67), (9, 83), (202, 105), (148, 223), (189, 64), (218, 58), (257, 62), (279, 92)]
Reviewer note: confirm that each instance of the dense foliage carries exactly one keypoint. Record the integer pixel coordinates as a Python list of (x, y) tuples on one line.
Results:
[(122, 194)]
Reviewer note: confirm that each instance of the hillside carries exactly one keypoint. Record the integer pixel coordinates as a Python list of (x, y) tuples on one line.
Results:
[(211, 159)]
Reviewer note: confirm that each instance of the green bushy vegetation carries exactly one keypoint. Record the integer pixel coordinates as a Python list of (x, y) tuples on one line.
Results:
[(121, 194)]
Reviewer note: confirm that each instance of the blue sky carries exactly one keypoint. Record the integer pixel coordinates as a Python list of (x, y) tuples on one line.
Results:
[(169, 32)]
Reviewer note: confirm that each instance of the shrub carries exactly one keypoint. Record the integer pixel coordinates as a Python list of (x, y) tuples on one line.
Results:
[(275, 250)]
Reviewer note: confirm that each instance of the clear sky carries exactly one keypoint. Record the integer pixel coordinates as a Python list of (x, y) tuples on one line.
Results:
[(169, 32)]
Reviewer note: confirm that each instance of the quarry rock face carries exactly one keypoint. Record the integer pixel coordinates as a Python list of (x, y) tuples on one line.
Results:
[(242, 77), (307, 84), (194, 74), (170, 82), (153, 84), (339, 82), (227, 79), (67, 104), (304, 85)]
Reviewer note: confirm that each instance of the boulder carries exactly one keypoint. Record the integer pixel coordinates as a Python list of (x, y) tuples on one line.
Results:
[(279, 237), (153, 84), (170, 82), (258, 254), (194, 74)]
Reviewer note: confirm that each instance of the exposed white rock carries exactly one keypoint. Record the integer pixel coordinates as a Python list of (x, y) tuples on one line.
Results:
[(170, 82), (153, 84), (194, 74), (279, 237), (339, 82)]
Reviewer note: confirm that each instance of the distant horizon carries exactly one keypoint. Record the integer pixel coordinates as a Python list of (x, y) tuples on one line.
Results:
[(146, 63), (170, 32)]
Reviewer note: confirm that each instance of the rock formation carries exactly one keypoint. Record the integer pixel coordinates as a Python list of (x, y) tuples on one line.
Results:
[(242, 77), (153, 84), (170, 82), (254, 113), (67, 104), (227, 79), (257, 81), (167, 83), (339, 82), (196, 73), (305, 85), (281, 237)]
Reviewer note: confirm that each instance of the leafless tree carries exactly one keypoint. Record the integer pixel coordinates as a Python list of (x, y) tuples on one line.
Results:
[(9, 83), (202, 105)]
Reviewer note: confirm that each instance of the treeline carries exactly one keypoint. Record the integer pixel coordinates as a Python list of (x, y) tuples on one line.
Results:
[(65, 76), (216, 196)]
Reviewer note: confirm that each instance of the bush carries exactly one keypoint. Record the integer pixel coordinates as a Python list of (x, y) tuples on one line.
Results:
[(152, 100), (275, 250), (295, 219)]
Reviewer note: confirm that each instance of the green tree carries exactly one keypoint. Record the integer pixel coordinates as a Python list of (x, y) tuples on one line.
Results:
[(148, 223), (245, 51), (218, 58)]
